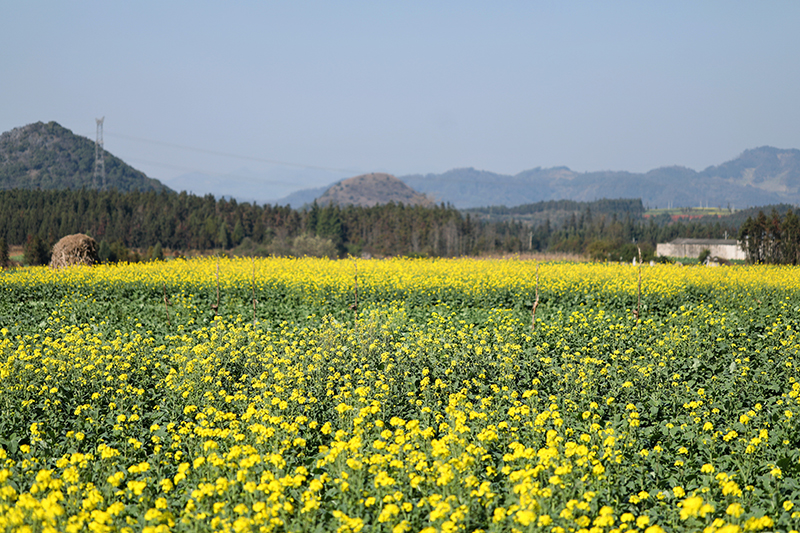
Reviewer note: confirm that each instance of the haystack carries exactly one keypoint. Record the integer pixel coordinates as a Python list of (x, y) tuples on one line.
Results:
[(78, 249)]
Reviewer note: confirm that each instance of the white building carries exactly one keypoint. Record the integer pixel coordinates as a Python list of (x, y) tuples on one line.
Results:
[(723, 248)]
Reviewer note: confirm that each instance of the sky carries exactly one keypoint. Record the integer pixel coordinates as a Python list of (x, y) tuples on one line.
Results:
[(296, 93)]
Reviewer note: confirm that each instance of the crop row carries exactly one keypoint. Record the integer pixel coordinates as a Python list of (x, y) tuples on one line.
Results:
[(431, 407)]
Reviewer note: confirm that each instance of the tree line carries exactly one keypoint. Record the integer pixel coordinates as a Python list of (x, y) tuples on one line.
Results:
[(774, 239), (139, 225)]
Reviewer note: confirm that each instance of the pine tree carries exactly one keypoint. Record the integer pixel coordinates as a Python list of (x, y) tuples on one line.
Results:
[(36, 252), (223, 238), (4, 259), (238, 233), (104, 252)]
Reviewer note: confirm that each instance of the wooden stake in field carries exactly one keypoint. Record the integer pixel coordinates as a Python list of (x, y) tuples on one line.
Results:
[(254, 291), (354, 306), (536, 301), (166, 304), (215, 307), (638, 312)]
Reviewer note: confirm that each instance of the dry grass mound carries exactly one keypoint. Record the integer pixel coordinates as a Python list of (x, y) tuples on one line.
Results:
[(78, 249)]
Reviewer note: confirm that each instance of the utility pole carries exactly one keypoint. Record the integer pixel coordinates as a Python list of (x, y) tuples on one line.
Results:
[(99, 163)]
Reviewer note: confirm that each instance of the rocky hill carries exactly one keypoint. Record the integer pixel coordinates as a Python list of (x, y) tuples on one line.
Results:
[(372, 189), (49, 156)]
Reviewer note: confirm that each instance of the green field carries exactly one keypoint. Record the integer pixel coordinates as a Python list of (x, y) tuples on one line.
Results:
[(162, 397)]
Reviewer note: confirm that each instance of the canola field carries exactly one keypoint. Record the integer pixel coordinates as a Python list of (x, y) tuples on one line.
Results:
[(431, 407)]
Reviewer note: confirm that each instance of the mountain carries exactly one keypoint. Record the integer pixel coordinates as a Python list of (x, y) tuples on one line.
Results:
[(759, 176), (258, 186), (468, 187), (372, 189), (298, 199), (49, 156)]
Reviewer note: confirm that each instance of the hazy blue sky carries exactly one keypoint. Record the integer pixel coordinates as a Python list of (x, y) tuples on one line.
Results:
[(407, 87)]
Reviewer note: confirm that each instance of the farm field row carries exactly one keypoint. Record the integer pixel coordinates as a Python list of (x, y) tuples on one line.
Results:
[(433, 406)]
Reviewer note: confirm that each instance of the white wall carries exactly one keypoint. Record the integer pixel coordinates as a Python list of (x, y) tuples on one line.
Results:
[(724, 251)]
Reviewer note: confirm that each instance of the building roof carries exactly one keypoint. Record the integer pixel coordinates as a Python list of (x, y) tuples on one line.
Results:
[(707, 242)]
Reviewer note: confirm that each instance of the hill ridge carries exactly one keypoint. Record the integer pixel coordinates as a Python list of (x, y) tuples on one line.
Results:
[(372, 189), (50, 156), (758, 176)]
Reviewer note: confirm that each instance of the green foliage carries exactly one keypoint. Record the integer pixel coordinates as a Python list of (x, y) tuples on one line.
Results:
[(238, 233), (705, 386), (223, 238), (37, 251), (608, 250), (313, 246), (182, 221), (774, 240), (49, 156), (703, 255), (104, 252), (5, 261), (116, 253)]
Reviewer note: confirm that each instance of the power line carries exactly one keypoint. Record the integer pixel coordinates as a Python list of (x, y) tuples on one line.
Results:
[(226, 154), (210, 174)]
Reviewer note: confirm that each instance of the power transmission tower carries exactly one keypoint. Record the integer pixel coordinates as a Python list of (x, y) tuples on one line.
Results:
[(99, 163)]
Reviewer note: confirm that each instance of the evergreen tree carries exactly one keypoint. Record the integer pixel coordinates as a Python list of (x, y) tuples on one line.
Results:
[(104, 252), (4, 259), (791, 238), (158, 252), (223, 238), (238, 233), (312, 218), (36, 251)]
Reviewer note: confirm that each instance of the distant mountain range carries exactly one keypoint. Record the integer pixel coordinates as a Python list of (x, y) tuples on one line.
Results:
[(49, 156), (760, 176)]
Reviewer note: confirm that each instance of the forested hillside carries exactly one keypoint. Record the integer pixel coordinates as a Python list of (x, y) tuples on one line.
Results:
[(182, 222), (559, 212), (49, 156)]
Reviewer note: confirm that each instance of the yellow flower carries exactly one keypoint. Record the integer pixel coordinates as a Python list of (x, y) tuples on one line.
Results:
[(690, 506), (525, 517), (388, 512), (402, 527), (136, 487), (757, 524), (115, 479)]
